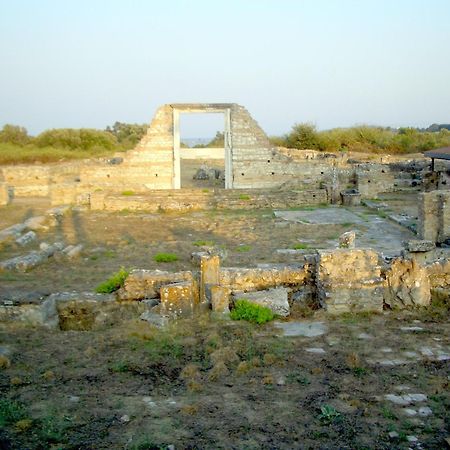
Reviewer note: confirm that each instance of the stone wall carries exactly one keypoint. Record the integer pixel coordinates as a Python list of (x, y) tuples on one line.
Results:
[(251, 163)]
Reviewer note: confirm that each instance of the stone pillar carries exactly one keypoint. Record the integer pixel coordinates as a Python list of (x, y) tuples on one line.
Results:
[(209, 276), (428, 223), (444, 216)]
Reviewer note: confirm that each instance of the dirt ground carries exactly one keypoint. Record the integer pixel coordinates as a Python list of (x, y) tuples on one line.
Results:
[(362, 382), (368, 382), (247, 237)]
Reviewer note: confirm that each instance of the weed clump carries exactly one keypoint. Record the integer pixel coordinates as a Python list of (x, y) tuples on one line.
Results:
[(4, 362), (113, 283), (244, 310), (203, 243), (165, 257)]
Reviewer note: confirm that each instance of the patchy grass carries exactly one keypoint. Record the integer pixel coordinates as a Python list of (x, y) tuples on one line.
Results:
[(201, 243), (244, 310), (244, 197), (165, 257), (300, 246), (113, 283), (243, 248)]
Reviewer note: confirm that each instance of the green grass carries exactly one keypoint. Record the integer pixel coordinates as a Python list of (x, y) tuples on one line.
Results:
[(243, 248), (128, 193), (165, 257), (203, 243), (15, 154), (244, 310), (300, 246), (244, 197), (11, 412), (113, 283)]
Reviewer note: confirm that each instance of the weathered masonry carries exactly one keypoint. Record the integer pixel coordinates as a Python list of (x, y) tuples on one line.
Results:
[(249, 156)]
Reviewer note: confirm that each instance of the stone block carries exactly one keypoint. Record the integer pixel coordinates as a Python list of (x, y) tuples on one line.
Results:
[(220, 299), (407, 284), (347, 239), (349, 280), (254, 279), (26, 239), (351, 198), (179, 299), (275, 299), (418, 245), (141, 284)]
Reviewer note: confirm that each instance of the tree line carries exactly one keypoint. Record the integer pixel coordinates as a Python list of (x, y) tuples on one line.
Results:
[(17, 146)]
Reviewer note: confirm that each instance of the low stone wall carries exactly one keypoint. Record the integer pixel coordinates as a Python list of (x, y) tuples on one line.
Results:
[(339, 280), (197, 199)]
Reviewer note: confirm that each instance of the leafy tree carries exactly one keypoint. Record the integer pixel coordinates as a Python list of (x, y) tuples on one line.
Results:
[(13, 134), (127, 134), (303, 136)]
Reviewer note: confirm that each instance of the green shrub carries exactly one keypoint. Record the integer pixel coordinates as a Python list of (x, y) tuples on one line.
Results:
[(244, 197), (165, 257), (72, 138), (128, 193), (113, 283), (328, 414), (300, 246), (244, 310)]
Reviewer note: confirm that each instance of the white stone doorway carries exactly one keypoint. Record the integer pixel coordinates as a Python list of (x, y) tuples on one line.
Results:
[(178, 151)]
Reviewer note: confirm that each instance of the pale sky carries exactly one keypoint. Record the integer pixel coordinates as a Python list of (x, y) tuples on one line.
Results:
[(89, 63)]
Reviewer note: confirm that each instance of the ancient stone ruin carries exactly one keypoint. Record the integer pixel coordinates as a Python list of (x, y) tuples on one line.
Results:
[(343, 276)]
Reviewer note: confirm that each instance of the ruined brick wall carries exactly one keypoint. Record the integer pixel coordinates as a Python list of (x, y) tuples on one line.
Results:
[(148, 166)]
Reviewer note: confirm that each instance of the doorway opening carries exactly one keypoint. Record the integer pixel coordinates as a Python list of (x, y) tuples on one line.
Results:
[(202, 150)]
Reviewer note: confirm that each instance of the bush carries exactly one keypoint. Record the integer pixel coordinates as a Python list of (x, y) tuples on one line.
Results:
[(244, 310), (73, 139), (13, 134), (113, 283), (165, 257), (303, 135)]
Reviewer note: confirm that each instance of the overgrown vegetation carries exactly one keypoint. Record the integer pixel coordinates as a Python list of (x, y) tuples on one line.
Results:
[(365, 138), (165, 257), (113, 283), (244, 310), (17, 146)]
